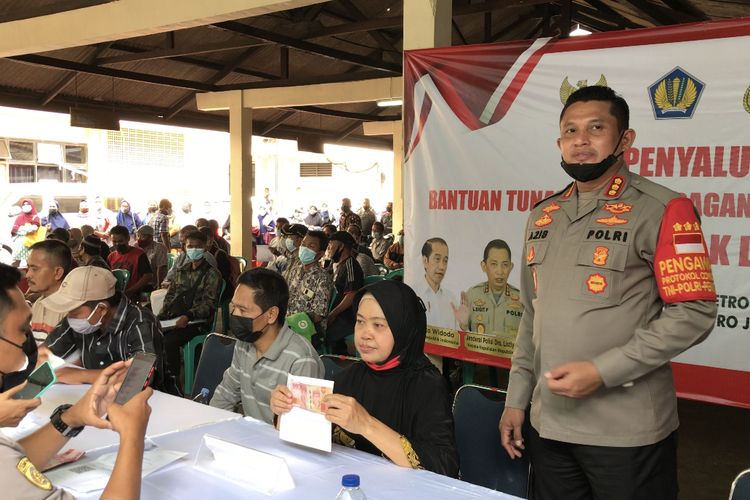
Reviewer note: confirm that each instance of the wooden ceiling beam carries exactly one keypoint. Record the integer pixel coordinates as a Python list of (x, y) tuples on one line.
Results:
[(309, 47)]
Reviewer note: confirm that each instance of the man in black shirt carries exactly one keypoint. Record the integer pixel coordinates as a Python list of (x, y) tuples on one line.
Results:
[(102, 324), (348, 278)]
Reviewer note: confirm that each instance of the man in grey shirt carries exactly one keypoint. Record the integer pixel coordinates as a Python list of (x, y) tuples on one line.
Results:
[(267, 349)]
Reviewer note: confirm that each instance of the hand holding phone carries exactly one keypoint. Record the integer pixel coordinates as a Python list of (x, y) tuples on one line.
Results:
[(12, 411), (39, 381), (138, 377)]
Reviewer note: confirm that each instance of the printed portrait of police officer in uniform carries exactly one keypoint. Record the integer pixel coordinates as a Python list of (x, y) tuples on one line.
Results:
[(492, 307)]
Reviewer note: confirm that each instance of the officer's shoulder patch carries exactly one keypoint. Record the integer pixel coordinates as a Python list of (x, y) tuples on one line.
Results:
[(27, 470), (553, 195), (479, 287), (660, 193)]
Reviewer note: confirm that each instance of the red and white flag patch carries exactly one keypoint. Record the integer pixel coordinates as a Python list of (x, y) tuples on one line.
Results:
[(688, 243), (681, 265)]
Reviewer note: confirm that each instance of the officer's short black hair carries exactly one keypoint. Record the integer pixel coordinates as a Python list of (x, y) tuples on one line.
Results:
[(427, 247), (321, 237), (55, 252), (269, 290), (618, 106), (120, 231), (9, 278), (498, 244)]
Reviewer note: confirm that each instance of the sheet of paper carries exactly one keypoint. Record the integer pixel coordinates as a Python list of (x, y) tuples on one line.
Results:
[(92, 475), (306, 424), (243, 466), (57, 362), (166, 324)]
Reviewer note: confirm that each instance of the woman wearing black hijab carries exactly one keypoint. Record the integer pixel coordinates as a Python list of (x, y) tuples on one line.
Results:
[(394, 402)]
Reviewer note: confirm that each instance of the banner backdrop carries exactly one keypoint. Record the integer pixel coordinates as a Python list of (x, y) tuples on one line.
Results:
[(481, 124)]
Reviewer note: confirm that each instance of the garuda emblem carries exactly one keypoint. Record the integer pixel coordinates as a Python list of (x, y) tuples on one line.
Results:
[(567, 88)]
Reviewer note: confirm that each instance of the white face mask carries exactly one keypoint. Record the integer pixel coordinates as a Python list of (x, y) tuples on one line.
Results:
[(83, 326), (26, 209)]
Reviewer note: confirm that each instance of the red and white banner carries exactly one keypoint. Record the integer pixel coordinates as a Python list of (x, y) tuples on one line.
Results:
[(480, 130)]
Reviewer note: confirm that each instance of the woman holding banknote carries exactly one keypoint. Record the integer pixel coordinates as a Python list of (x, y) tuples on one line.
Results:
[(394, 402)]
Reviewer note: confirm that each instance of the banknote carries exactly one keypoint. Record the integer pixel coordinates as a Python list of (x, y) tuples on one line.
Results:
[(309, 397)]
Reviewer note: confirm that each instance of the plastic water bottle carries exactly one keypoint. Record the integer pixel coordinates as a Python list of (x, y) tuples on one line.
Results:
[(202, 397), (350, 488)]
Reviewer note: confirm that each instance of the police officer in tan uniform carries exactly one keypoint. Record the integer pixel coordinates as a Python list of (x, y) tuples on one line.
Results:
[(22, 461), (493, 306), (607, 305)]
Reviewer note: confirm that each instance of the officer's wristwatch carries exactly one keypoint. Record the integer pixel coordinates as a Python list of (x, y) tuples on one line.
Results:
[(62, 427)]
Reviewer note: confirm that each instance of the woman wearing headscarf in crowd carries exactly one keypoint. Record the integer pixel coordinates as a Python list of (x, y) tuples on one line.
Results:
[(54, 218), (393, 402), (126, 217), (26, 224)]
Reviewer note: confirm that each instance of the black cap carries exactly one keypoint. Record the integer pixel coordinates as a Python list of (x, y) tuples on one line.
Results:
[(344, 237), (294, 230)]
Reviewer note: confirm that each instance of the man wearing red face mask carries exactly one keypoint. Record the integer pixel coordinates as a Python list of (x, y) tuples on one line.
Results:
[(603, 316)]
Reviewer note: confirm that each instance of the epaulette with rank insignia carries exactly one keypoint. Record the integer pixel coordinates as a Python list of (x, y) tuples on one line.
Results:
[(552, 195), (660, 193)]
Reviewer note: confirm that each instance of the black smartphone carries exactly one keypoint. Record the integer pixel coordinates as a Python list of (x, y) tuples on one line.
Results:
[(138, 377), (38, 382)]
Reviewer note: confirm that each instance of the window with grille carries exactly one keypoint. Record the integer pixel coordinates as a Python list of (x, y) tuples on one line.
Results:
[(315, 170), (22, 150), (20, 173), (145, 148), (75, 155)]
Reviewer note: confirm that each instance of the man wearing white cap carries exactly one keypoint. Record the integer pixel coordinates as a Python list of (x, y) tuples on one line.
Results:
[(101, 323)]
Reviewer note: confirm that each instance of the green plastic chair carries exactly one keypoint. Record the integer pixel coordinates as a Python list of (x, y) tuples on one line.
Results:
[(369, 280), (188, 350), (123, 277), (301, 324), (396, 273)]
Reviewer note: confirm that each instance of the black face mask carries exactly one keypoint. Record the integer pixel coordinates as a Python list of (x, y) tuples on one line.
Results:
[(242, 328), (584, 172)]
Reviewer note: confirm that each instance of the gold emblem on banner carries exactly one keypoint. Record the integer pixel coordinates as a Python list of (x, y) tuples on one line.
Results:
[(746, 100), (566, 88), (668, 98)]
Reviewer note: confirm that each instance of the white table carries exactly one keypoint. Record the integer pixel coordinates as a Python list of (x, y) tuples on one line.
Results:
[(316, 474), (168, 414)]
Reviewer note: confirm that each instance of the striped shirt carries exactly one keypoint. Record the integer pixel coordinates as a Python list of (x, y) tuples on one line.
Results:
[(250, 379), (131, 330)]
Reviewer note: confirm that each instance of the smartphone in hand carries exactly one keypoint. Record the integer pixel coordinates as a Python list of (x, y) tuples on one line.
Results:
[(138, 377), (38, 382)]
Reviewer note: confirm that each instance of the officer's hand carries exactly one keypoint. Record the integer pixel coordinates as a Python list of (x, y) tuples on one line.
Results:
[(510, 426), (12, 411), (131, 419), (574, 380), (461, 313)]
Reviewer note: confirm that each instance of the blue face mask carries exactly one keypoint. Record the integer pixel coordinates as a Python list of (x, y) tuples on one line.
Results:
[(195, 253), (289, 242), (306, 256)]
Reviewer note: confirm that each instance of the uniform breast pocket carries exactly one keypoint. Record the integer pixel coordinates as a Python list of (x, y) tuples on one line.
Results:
[(535, 253), (599, 272)]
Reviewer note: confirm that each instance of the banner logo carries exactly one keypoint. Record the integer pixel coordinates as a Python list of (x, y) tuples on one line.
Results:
[(746, 100), (566, 88), (675, 95)]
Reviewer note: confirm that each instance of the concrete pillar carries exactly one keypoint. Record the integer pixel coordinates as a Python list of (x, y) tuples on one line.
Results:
[(241, 175), (427, 24)]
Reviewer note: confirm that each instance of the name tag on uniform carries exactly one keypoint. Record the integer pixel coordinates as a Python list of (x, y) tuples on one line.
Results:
[(309, 293)]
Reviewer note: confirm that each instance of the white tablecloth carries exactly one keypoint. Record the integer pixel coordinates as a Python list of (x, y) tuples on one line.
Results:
[(316, 474), (169, 414)]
